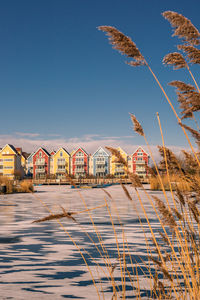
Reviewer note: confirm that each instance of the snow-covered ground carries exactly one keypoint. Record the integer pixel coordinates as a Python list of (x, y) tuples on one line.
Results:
[(40, 261)]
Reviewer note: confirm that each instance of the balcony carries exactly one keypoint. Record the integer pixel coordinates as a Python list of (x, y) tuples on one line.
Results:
[(100, 170), (40, 162), (61, 170), (100, 162), (79, 163), (62, 163), (41, 171), (140, 162), (119, 170), (79, 170), (100, 165)]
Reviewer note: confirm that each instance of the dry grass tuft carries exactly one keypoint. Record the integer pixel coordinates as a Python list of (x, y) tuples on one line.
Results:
[(8, 183), (26, 187), (176, 181)]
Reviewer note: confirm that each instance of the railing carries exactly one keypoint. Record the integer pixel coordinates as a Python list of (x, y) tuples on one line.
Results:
[(40, 170), (79, 170), (100, 162), (102, 170), (79, 163), (141, 162), (119, 170), (61, 163), (59, 170), (40, 163)]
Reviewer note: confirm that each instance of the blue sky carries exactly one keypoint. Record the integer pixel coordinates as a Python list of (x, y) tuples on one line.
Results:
[(61, 82)]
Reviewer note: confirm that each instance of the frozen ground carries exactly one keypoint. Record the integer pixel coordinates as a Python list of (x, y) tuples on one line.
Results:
[(39, 261)]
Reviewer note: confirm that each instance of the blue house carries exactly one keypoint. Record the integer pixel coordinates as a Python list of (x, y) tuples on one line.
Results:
[(101, 163), (29, 165)]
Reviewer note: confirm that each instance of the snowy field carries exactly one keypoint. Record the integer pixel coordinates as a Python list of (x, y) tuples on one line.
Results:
[(39, 261)]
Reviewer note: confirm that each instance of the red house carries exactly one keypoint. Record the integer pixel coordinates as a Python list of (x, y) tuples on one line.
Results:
[(80, 163), (140, 161), (41, 163)]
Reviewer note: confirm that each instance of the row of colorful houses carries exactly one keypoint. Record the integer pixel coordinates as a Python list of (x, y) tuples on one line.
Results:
[(41, 164)]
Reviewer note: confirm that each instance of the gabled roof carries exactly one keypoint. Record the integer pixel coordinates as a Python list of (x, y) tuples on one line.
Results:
[(25, 155), (31, 155), (44, 150), (12, 148), (78, 149), (72, 152), (63, 150), (52, 152), (100, 148), (19, 150), (140, 147)]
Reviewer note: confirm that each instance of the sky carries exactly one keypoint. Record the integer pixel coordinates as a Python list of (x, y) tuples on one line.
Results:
[(62, 84)]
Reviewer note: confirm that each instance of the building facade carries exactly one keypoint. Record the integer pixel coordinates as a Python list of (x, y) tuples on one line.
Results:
[(80, 163), (52, 162), (29, 165), (10, 162), (117, 169), (41, 164), (140, 161), (101, 163), (61, 163)]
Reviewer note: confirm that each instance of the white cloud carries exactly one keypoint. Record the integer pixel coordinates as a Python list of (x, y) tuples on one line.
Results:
[(27, 134), (89, 142)]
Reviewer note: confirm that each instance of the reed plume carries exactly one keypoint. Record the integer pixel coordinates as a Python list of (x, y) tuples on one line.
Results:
[(166, 214), (188, 97), (193, 54), (56, 216), (137, 126), (182, 86), (176, 60), (119, 158), (194, 133), (172, 161), (183, 27), (124, 45)]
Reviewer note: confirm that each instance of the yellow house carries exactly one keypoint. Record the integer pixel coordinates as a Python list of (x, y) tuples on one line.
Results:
[(61, 163), (117, 169), (10, 162)]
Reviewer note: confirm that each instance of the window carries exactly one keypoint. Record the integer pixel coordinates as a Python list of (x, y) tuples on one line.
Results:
[(61, 154), (8, 167), (40, 154), (79, 153)]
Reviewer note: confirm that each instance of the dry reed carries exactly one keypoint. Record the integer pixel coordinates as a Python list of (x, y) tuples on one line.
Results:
[(174, 250)]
